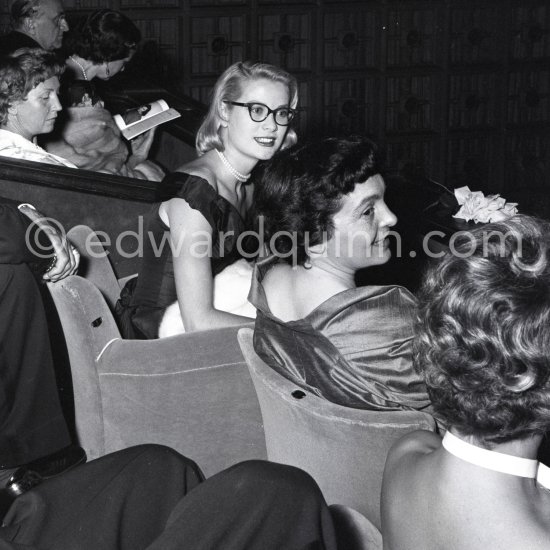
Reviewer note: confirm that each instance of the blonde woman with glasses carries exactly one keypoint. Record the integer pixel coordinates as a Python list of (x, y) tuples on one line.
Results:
[(248, 120)]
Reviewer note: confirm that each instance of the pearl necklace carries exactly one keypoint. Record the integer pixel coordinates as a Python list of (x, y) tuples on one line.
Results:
[(237, 175), (74, 60)]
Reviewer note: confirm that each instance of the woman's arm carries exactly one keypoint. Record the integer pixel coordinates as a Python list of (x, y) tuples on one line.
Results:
[(191, 241)]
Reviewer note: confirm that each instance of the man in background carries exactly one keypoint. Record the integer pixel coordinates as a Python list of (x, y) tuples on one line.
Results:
[(36, 24)]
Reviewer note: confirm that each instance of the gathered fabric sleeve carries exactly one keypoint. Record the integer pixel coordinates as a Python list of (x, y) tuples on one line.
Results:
[(355, 349)]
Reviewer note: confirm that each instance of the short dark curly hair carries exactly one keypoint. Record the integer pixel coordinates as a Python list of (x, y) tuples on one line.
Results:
[(105, 35), (483, 332), (300, 189), (22, 71)]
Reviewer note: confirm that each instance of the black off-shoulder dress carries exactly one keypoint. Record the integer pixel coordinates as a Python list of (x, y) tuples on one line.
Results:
[(143, 300)]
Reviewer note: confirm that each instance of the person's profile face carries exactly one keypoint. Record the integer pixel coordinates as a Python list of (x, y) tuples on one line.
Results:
[(111, 68), (49, 24), (361, 227), (37, 113)]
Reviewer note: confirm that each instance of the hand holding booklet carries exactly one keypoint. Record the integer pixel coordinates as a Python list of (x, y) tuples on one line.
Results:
[(135, 121)]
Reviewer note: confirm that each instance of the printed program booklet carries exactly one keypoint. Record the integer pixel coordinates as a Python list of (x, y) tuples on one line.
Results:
[(135, 121)]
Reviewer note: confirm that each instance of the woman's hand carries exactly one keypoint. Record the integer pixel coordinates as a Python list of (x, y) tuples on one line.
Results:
[(148, 170), (66, 257), (141, 146)]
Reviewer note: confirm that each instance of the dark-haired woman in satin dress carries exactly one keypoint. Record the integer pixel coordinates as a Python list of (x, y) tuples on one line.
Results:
[(323, 215)]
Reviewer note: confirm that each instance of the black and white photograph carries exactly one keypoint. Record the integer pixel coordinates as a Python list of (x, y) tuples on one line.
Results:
[(274, 275)]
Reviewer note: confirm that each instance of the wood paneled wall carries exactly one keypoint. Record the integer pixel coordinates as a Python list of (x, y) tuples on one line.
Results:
[(457, 90)]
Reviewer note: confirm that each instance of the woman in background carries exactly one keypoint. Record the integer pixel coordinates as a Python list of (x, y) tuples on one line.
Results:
[(29, 105), (195, 235), (99, 47), (320, 209), (483, 345)]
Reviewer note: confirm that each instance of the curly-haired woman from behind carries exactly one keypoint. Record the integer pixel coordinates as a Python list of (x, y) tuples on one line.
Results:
[(483, 345), (321, 212), (99, 47)]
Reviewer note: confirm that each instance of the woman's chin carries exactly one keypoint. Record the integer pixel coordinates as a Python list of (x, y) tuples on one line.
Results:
[(380, 256)]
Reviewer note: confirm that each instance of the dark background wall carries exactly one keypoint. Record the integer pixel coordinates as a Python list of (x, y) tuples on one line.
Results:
[(458, 90)]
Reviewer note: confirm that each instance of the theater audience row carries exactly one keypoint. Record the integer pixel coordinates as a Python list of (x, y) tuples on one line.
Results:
[(482, 347), (58, 104), (480, 350)]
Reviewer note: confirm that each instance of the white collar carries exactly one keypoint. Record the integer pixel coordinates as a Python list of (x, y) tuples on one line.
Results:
[(492, 460), (16, 139), (11, 139), (543, 476)]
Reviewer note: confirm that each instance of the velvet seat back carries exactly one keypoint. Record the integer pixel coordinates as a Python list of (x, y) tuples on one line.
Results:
[(344, 449), (191, 392)]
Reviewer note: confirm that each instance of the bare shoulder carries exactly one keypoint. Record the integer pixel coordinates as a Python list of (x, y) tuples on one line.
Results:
[(278, 286), (277, 275), (276, 283), (177, 206), (408, 458), (414, 444), (202, 168)]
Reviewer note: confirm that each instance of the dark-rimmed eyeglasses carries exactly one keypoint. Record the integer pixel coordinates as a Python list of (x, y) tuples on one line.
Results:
[(259, 112)]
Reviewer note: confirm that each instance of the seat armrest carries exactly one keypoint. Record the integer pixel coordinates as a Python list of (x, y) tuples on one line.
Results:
[(184, 352)]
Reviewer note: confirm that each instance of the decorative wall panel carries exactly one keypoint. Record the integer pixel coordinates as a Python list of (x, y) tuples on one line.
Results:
[(410, 104), (474, 35), (215, 43), (414, 36), (350, 105), (528, 97), (202, 93), (472, 101), (527, 160), (470, 161), (159, 47), (305, 120), (414, 154), (459, 89), (351, 39), (285, 40), (530, 31)]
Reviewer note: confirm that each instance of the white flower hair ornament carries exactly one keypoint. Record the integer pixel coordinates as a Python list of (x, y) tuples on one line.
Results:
[(474, 205)]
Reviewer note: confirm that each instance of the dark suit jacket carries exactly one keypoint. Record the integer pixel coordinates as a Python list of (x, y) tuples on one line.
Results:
[(15, 40), (16, 231)]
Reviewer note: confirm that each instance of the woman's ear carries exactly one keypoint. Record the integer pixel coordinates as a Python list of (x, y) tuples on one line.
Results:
[(224, 114), (316, 250)]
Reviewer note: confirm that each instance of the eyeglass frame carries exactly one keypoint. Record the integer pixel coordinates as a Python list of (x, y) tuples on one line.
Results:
[(249, 105)]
